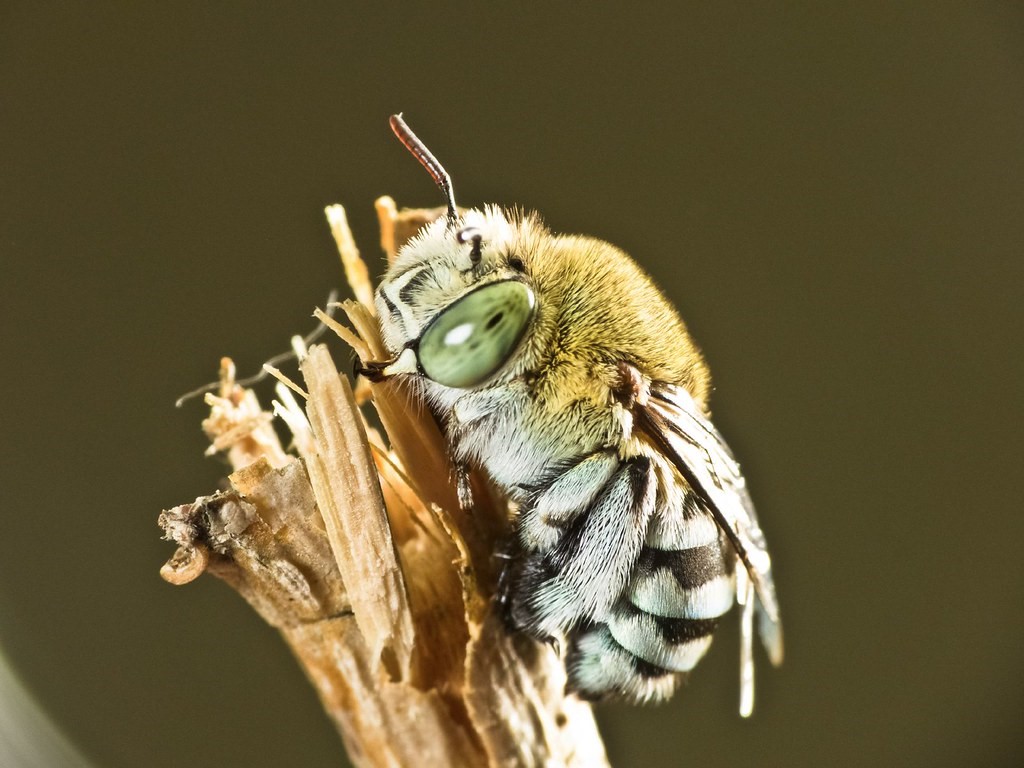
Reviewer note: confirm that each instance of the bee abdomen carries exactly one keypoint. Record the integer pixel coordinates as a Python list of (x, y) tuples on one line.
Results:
[(659, 631), (633, 575), (663, 625)]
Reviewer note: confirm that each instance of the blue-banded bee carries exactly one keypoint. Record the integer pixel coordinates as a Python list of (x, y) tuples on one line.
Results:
[(555, 365)]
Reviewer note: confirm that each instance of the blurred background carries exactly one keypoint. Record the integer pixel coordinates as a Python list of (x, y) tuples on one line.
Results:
[(832, 196)]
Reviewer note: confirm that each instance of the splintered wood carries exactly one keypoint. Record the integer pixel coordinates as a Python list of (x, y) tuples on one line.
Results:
[(355, 548)]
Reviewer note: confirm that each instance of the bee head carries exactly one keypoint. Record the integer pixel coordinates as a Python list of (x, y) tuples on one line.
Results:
[(457, 300)]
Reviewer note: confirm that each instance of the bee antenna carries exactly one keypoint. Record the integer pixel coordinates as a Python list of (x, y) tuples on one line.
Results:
[(427, 160)]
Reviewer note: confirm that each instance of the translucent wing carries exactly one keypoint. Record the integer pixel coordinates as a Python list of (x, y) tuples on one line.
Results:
[(674, 423)]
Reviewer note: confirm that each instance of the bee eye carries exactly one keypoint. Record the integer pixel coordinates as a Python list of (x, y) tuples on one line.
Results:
[(470, 340)]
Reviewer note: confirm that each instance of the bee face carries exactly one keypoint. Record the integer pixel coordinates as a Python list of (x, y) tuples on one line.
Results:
[(459, 299)]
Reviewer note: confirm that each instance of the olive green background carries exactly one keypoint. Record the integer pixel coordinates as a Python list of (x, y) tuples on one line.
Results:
[(832, 195)]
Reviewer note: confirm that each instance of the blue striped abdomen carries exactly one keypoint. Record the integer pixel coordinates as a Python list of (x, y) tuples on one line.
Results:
[(618, 562)]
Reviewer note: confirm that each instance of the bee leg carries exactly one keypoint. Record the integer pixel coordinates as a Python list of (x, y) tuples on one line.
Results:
[(512, 555), (582, 577), (464, 488), (378, 370), (506, 552), (373, 370)]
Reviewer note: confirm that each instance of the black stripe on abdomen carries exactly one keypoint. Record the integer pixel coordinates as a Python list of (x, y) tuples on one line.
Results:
[(690, 567), (674, 644), (676, 631)]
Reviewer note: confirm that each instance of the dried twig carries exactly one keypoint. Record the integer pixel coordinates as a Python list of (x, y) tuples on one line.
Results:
[(356, 550)]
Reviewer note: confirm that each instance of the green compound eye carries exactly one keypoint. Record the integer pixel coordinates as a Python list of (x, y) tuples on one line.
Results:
[(471, 339)]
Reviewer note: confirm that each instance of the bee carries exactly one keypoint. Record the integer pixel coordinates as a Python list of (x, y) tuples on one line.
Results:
[(556, 366)]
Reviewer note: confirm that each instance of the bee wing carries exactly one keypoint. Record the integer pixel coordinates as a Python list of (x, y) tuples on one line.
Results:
[(672, 420)]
